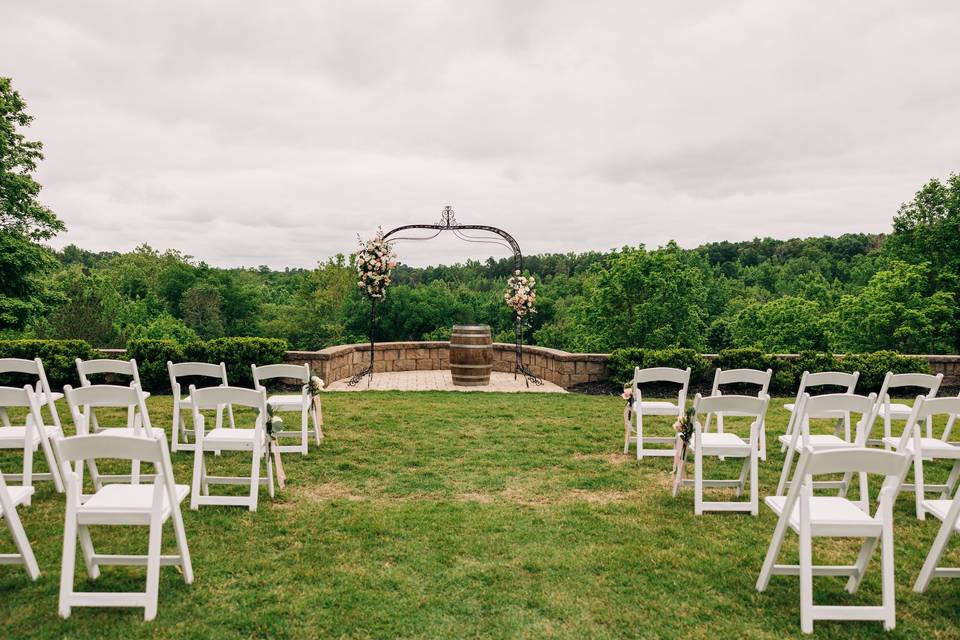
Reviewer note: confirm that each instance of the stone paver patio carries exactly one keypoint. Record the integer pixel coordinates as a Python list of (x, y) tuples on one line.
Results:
[(439, 380)]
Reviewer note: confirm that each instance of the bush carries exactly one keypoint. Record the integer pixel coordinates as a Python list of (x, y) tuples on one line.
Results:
[(152, 357), (784, 377), (238, 354), (58, 357), (874, 366), (623, 361)]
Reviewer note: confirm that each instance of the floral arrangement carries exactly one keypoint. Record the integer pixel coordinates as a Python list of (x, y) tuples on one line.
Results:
[(684, 428), (274, 425), (375, 262), (314, 387), (520, 295)]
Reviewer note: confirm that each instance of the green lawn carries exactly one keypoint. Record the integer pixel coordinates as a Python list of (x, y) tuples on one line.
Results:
[(469, 515)]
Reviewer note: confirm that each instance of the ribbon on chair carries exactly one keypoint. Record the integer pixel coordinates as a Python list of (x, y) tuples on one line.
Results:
[(277, 462)]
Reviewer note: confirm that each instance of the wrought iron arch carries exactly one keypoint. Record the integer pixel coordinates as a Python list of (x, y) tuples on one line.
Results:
[(448, 222)]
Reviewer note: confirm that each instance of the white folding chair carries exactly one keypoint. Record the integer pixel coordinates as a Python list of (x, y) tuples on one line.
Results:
[(899, 411), (809, 380), (837, 517), (87, 368), (925, 447), (724, 445), (237, 439), (27, 438), (45, 396), (120, 504), (640, 408), (83, 400), (826, 407), (761, 379), (180, 430), (10, 499), (301, 402), (948, 511)]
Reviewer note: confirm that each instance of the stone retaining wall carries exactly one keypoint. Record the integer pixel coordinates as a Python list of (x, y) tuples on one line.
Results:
[(560, 367)]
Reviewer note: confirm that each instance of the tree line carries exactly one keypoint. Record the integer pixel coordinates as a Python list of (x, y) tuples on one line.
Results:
[(852, 293)]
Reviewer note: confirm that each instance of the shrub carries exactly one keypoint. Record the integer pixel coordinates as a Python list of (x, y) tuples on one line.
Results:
[(784, 371), (623, 361), (679, 359), (874, 366), (152, 357), (58, 357), (239, 353)]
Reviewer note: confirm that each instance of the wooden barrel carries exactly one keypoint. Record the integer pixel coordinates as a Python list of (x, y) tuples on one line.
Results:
[(471, 355)]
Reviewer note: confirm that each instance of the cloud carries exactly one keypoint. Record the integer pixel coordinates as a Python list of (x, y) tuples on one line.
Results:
[(248, 133)]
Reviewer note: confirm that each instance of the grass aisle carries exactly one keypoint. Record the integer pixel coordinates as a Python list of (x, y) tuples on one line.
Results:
[(469, 515)]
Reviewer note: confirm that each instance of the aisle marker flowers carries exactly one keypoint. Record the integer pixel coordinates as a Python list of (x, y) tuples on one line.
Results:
[(314, 387), (273, 427), (375, 262)]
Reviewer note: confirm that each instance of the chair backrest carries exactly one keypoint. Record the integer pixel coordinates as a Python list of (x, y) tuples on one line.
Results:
[(194, 369), (213, 397), (87, 368), (925, 409), (298, 372), (22, 397), (661, 374), (742, 376), (830, 379), (29, 367), (82, 399), (829, 406), (152, 450), (750, 406), (919, 380)]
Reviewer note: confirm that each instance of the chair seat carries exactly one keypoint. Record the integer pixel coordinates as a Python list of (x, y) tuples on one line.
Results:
[(226, 436), (724, 441), (15, 436), (42, 397), (789, 406), (19, 495), (939, 509), (129, 498), (130, 431), (928, 446), (824, 511), (897, 410), (293, 400), (820, 441)]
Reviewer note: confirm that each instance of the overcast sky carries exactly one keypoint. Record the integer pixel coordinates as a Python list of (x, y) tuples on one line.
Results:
[(250, 133)]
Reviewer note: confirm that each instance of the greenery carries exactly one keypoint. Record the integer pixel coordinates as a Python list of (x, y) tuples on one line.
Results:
[(529, 524), (854, 293), (58, 356), (24, 221)]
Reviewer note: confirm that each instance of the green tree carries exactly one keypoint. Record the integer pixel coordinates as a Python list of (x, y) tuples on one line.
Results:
[(24, 221), (784, 325), (897, 311), (203, 310)]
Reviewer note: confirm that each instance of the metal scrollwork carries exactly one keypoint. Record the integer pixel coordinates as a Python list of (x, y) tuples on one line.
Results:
[(448, 222)]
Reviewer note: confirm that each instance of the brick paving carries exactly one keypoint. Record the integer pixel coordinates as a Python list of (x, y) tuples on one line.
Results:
[(439, 380)]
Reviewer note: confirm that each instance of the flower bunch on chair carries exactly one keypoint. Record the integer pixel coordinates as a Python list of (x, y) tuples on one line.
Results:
[(375, 262), (684, 428), (520, 295), (273, 427)]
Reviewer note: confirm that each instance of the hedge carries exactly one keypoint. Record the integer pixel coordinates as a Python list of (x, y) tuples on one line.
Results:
[(59, 359), (238, 354), (152, 357), (786, 372)]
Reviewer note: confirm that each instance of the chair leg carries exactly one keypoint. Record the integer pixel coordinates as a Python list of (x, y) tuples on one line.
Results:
[(785, 473), (181, 535), (754, 489), (886, 562), (626, 436), (806, 571), (863, 559), (23, 543), (270, 487), (86, 546), (698, 482), (951, 480), (175, 429), (317, 413), (255, 478), (153, 567), (773, 552), (304, 428), (639, 431), (195, 485), (69, 563), (51, 460), (933, 556), (918, 491)]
